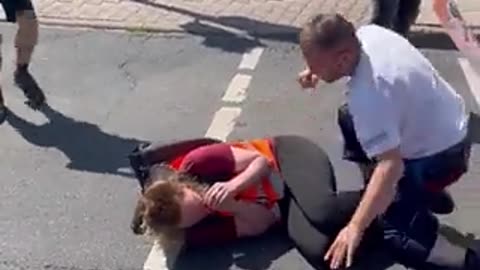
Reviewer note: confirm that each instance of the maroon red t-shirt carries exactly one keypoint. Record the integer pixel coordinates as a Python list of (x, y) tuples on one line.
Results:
[(210, 162)]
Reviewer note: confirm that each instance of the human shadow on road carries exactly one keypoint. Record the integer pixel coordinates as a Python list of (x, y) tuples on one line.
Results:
[(257, 253), (215, 35), (86, 145), (221, 39)]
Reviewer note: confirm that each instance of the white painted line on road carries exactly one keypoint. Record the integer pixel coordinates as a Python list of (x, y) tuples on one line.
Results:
[(251, 58), (237, 90), (223, 123), (473, 78), (156, 259)]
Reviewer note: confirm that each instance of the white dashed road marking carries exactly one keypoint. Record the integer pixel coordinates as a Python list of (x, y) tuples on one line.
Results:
[(250, 59), (237, 90), (223, 123)]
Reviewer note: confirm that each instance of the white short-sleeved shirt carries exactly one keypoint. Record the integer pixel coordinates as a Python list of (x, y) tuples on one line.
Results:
[(398, 99)]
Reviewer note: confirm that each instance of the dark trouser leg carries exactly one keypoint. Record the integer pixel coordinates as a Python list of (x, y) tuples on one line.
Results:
[(316, 213), (385, 12), (408, 11), (313, 242), (310, 179), (309, 241), (410, 230)]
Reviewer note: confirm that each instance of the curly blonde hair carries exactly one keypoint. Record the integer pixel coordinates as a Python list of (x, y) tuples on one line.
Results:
[(162, 199)]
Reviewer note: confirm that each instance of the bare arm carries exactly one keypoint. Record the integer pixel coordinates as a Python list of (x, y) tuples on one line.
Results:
[(250, 165), (380, 191)]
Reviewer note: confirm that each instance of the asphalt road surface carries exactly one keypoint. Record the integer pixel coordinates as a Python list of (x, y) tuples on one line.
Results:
[(67, 194)]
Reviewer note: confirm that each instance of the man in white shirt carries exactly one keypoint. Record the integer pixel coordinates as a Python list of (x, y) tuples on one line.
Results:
[(407, 122)]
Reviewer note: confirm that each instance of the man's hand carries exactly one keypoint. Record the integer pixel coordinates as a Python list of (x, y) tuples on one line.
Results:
[(307, 79), (219, 193), (376, 199), (344, 245)]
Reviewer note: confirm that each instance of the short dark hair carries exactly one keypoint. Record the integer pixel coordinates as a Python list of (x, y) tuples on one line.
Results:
[(326, 31)]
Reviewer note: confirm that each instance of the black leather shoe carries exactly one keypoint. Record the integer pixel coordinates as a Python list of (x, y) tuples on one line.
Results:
[(441, 203)]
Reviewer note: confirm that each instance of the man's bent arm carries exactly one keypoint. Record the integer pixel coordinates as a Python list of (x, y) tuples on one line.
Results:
[(381, 189)]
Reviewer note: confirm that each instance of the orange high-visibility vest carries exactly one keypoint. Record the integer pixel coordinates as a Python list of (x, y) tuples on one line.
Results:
[(265, 191)]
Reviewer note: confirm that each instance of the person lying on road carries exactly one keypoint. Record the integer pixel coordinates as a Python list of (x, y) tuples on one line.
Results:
[(218, 192)]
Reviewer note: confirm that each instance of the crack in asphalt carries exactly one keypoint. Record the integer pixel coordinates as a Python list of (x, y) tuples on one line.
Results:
[(131, 79)]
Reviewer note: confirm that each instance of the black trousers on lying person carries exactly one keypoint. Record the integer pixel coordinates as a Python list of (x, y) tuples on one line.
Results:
[(314, 211), (409, 228)]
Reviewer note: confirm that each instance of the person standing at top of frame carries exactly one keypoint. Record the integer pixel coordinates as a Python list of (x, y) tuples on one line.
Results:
[(22, 12), (397, 15)]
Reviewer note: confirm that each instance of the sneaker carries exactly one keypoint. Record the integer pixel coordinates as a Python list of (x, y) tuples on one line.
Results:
[(30, 88)]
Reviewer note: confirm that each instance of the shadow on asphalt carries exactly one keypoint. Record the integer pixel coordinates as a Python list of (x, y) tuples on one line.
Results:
[(258, 256), (436, 39), (221, 39), (204, 26), (474, 128), (454, 236), (85, 144), (436, 25), (259, 253), (431, 40)]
